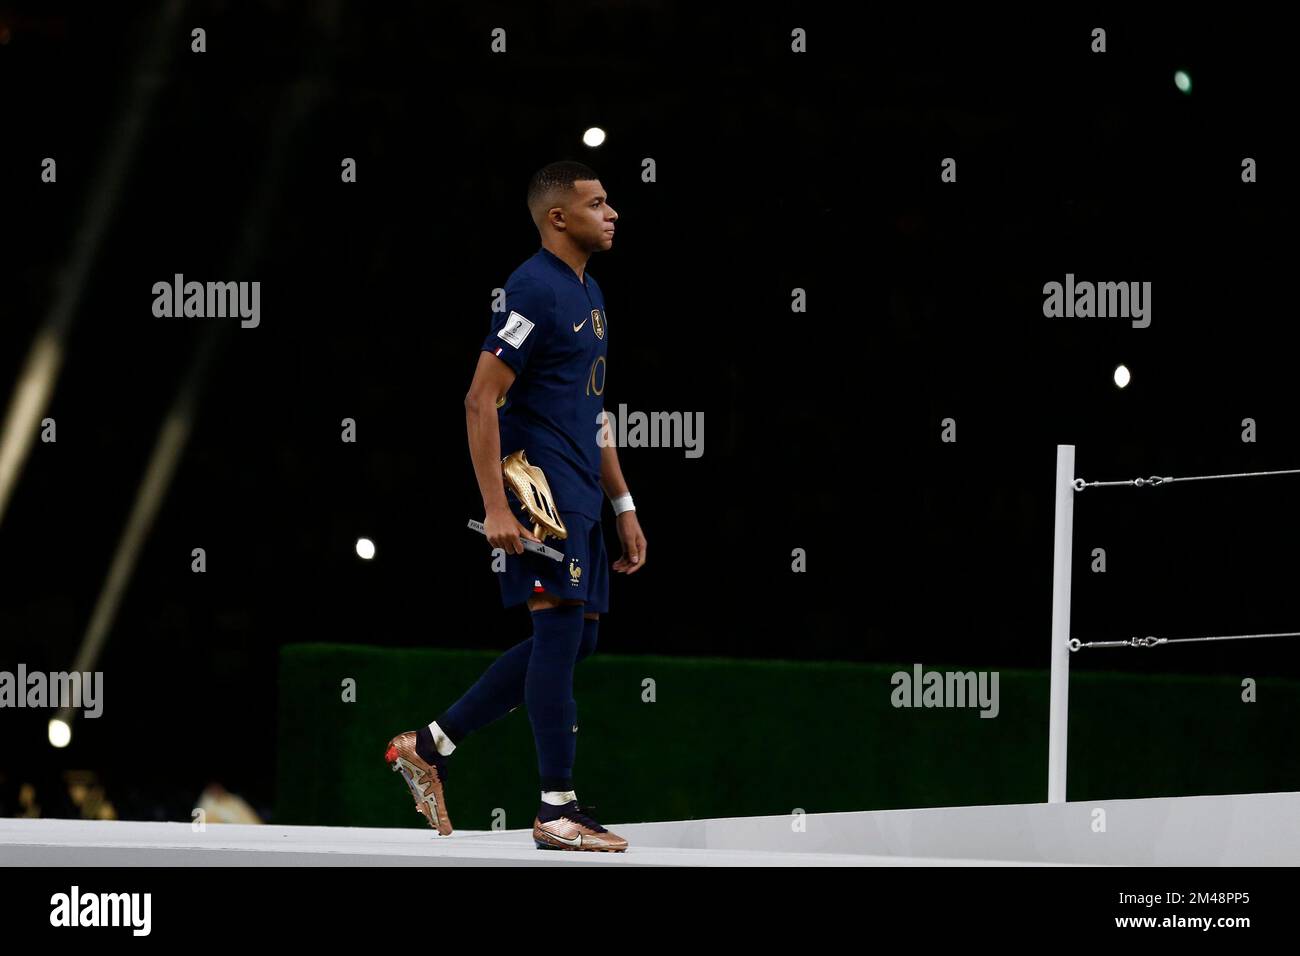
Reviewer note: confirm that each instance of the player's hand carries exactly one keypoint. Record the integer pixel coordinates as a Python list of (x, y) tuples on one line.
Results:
[(503, 530), (629, 533)]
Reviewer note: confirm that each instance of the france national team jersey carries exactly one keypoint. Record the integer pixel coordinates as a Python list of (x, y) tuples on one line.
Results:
[(553, 333)]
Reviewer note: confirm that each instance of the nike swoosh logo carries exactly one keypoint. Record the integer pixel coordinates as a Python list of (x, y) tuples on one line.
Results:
[(578, 327), (576, 841)]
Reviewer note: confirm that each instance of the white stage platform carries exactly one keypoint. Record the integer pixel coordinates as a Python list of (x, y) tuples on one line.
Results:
[(1257, 829)]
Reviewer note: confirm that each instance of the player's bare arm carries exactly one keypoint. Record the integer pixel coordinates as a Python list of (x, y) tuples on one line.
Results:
[(629, 529), (492, 379)]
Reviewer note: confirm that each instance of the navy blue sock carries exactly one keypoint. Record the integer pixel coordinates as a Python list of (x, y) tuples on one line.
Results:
[(589, 629), (548, 692), (499, 691)]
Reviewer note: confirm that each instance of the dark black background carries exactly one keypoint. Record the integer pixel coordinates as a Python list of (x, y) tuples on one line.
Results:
[(822, 429)]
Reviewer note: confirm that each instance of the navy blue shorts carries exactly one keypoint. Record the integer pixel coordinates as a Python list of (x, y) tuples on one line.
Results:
[(583, 575)]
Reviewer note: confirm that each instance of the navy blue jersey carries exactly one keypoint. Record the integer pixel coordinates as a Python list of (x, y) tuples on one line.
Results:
[(554, 334)]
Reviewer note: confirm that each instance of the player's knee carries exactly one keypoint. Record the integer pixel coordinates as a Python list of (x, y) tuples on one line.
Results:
[(547, 600)]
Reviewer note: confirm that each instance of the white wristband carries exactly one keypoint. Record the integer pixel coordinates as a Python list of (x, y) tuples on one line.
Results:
[(622, 503)]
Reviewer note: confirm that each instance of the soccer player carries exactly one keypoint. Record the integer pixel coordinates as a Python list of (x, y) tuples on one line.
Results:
[(543, 366)]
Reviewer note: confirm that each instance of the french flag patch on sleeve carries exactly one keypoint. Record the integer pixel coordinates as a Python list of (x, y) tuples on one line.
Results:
[(497, 353)]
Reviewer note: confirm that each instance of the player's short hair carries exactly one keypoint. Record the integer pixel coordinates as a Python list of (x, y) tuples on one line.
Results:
[(551, 182)]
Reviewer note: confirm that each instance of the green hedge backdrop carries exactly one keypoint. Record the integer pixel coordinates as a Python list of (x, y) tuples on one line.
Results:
[(740, 737)]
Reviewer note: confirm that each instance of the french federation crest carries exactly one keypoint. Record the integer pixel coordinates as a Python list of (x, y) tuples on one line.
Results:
[(598, 323)]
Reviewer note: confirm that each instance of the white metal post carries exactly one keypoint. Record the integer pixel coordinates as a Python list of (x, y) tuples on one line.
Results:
[(1059, 708)]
